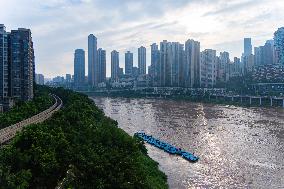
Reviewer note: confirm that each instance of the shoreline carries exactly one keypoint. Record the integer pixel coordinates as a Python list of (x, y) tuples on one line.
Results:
[(197, 99)]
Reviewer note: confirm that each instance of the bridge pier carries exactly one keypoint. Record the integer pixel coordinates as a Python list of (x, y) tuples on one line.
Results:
[(260, 101), (271, 102), (250, 100)]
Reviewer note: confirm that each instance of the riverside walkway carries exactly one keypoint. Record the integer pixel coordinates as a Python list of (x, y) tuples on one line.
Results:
[(6, 134)]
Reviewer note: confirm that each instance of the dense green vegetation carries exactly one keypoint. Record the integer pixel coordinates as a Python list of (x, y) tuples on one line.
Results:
[(24, 110), (79, 147)]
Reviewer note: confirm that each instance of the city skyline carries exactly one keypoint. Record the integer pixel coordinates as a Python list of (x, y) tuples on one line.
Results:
[(141, 23)]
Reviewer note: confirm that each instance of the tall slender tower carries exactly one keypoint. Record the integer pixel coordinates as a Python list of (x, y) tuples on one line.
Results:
[(165, 63), (142, 60), (155, 65), (92, 61), (79, 67), (128, 63), (247, 46), (101, 65), (114, 65)]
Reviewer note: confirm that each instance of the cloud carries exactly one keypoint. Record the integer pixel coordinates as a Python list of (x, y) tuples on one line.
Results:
[(61, 26)]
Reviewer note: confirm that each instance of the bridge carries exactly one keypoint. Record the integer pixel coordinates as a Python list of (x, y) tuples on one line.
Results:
[(6, 134)]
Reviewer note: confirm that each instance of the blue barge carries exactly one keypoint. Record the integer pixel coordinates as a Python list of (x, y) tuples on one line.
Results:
[(166, 147)]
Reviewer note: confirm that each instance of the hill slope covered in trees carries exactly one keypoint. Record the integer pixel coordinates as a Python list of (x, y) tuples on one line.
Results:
[(79, 147)]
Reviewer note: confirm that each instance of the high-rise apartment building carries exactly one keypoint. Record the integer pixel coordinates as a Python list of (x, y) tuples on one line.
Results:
[(248, 63), (177, 64), (92, 61), (21, 64), (79, 67), (155, 65), (4, 72), (128, 63), (223, 67), (142, 60), (39, 79), (165, 63), (247, 46), (101, 65), (208, 68), (192, 64), (279, 45), (265, 55), (115, 65)]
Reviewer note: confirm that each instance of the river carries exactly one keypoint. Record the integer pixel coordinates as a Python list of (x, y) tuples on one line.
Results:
[(238, 147)]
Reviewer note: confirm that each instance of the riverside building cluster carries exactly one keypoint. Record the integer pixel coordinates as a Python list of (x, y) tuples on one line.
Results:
[(17, 66), (175, 64)]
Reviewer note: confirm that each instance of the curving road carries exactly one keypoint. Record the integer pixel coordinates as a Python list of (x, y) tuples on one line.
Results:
[(8, 133)]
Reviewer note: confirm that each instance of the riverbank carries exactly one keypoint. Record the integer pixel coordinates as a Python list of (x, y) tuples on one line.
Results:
[(79, 147), (195, 98)]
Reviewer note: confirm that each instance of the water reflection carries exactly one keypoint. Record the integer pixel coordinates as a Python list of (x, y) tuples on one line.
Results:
[(238, 147)]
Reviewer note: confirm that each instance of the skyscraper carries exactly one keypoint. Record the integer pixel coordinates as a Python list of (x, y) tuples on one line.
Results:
[(101, 65), (22, 64), (155, 65), (92, 61), (264, 55), (3, 63), (142, 60), (177, 64), (279, 45), (114, 65), (247, 46), (208, 68), (223, 67), (165, 63), (192, 63), (128, 63), (79, 67)]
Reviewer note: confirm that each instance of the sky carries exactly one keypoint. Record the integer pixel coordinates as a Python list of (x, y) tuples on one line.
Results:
[(61, 26)]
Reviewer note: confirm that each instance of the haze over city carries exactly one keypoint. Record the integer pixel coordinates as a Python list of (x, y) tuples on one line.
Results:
[(60, 26)]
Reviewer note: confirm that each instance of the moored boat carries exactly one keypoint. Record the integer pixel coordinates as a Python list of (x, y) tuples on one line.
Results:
[(166, 147)]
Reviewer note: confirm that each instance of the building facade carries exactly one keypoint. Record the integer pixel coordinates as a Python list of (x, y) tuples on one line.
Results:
[(154, 70), (165, 63), (128, 63), (4, 72), (101, 66), (247, 46), (21, 64), (115, 65), (92, 61), (208, 68), (279, 45), (223, 67), (142, 60), (192, 64), (79, 67)]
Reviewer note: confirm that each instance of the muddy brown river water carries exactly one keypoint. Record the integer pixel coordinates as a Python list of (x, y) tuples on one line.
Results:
[(238, 147)]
